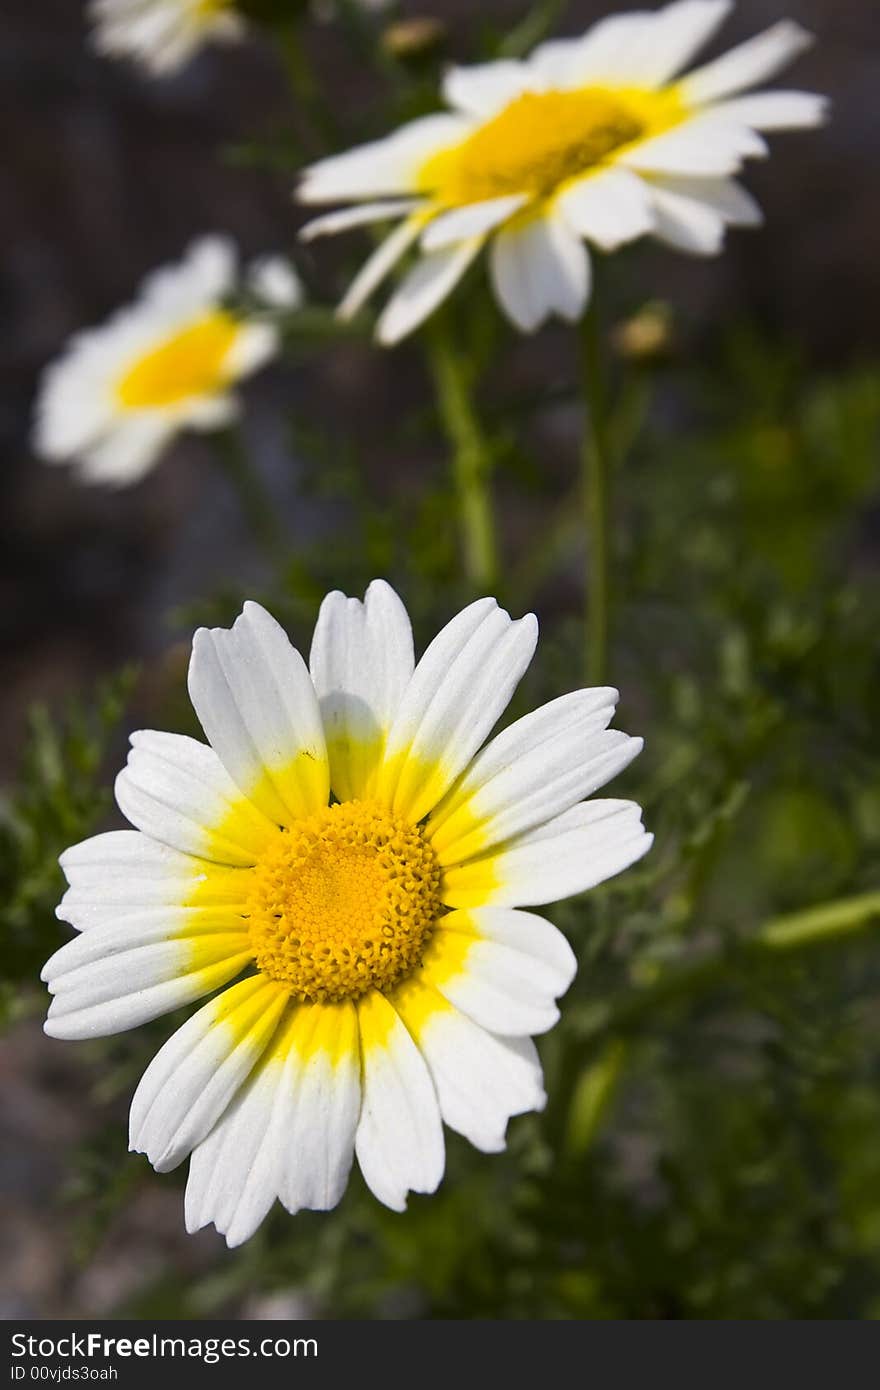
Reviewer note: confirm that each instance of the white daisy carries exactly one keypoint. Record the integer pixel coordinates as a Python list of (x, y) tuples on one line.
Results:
[(120, 393), (594, 138), (162, 35), (343, 851)]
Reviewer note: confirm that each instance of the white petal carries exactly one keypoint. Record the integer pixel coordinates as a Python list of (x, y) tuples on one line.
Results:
[(475, 219), (288, 1133), (460, 688), (382, 167), (536, 768), (273, 281), (481, 1080), (129, 450), (399, 1142), (776, 110), (361, 663), (734, 204), (379, 264), (569, 854), (423, 289), (232, 1181), (504, 969), (97, 997), (212, 412), (539, 269), (600, 55), (747, 64), (483, 89), (123, 871), (255, 344), (331, 222), (671, 39), (705, 145), (687, 223), (609, 208), (206, 274), (128, 929), (176, 790), (74, 408), (257, 705), (190, 1082), (322, 1106)]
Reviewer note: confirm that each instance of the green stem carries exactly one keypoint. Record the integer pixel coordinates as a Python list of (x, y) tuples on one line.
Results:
[(540, 21), (256, 504), (315, 114), (816, 924), (595, 479), (471, 459)]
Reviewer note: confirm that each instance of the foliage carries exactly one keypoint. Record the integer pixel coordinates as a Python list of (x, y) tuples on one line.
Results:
[(60, 797)]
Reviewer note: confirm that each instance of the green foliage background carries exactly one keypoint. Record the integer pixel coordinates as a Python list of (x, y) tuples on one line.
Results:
[(711, 1147)]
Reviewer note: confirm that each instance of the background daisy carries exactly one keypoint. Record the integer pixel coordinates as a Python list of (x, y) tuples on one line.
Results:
[(168, 362), (392, 979), (162, 35), (596, 139)]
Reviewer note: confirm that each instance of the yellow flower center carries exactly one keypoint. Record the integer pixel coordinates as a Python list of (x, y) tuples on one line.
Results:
[(542, 140), (343, 902), (191, 363)]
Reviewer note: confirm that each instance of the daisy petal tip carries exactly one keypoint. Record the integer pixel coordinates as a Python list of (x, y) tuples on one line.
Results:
[(193, 1223), (388, 331), (796, 34), (253, 612), (166, 1161), (548, 1020)]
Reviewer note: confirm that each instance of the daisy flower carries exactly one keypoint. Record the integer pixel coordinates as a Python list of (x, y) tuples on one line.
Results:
[(345, 860), (162, 35), (121, 392), (592, 139)]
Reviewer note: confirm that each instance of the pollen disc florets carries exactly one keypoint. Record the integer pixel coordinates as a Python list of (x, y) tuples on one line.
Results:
[(343, 902), (533, 146)]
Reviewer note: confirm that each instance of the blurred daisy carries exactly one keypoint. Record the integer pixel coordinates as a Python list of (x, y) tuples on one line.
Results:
[(162, 35), (121, 392), (343, 851), (594, 139)]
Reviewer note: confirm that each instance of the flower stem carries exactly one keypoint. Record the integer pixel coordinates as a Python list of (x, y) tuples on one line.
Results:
[(256, 505), (471, 461), (316, 116), (596, 482)]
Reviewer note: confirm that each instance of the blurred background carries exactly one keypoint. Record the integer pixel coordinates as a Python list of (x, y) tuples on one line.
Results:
[(713, 1147)]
